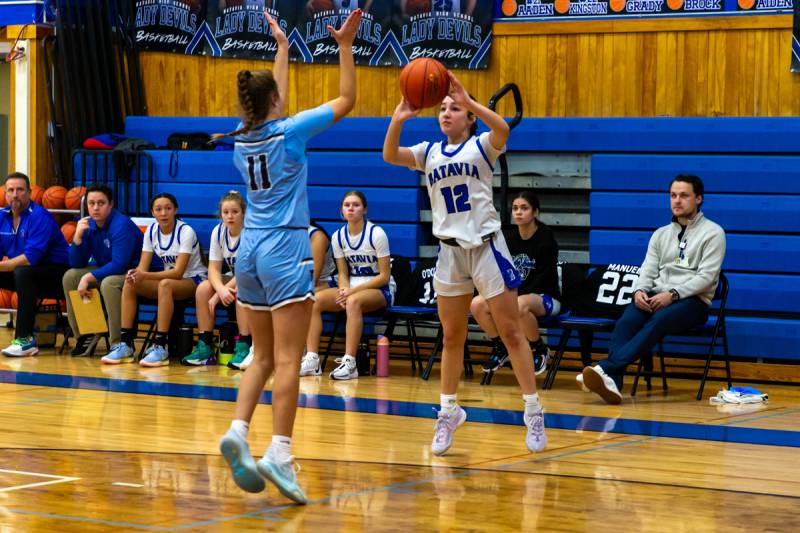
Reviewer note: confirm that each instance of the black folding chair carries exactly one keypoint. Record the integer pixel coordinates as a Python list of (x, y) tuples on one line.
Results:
[(714, 328)]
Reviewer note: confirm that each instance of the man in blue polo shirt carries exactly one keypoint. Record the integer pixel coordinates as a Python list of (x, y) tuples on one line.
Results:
[(37, 258), (115, 243)]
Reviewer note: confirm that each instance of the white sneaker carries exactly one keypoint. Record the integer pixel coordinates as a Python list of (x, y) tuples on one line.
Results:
[(247, 360), (346, 369), (237, 454), (446, 425), (535, 439), (283, 475), (579, 379), (310, 366), (597, 381)]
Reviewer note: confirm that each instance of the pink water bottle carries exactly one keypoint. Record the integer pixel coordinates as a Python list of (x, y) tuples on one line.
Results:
[(382, 357)]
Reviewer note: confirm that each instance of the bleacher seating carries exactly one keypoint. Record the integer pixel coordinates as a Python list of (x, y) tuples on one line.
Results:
[(749, 165)]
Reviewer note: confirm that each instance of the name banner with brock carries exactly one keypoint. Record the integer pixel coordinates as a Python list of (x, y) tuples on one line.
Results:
[(392, 32), (535, 10)]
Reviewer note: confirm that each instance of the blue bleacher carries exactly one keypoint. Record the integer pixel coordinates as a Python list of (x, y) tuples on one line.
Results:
[(750, 167)]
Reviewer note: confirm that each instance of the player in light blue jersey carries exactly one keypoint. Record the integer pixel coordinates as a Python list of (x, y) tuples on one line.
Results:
[(473, 253), (274, 267)]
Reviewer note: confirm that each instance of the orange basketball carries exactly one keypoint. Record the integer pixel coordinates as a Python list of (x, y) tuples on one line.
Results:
[(5, 299), (562, 6), (14, 301), (509, 8), (73, 198), (747, 4), (54, 197), (68, 229), (675, 4), (616, 5), (37, 193), (415, 7), (424, 82)]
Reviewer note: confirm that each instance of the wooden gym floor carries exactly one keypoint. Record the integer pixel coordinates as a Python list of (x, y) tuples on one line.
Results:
[(87, 447)]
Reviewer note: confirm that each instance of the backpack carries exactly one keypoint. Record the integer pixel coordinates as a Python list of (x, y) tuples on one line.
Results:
[(190, 141)]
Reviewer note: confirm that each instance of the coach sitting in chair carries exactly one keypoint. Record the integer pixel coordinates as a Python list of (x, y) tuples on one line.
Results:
[(674, 291), (37, 258), (115, 243)]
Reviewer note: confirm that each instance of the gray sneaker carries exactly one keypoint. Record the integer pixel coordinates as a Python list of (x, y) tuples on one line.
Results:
[(446, 425), (535, 439)]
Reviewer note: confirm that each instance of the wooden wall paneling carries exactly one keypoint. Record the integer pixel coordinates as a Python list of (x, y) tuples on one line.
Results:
[(649, 74)]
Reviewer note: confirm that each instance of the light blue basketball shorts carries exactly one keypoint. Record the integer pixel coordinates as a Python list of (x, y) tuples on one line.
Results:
[(274, 268)]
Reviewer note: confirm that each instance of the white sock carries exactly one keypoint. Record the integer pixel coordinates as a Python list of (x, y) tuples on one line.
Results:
[(313, 355), (281, 448), (349, 358), (241, 428), (448, 401), (532, 403)]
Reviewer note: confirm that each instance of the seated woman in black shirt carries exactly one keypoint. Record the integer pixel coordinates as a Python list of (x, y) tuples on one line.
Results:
[(535, 253)]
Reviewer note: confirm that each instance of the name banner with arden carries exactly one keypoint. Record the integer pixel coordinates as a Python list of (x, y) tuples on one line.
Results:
[(392, 32), (538, 10)]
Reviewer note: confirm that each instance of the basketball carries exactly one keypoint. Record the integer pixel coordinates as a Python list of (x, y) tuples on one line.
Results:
[(5, 299), (36, 194), (321, 5), (14, 300), (424, 82), (54, 197), (73, 198), (68, 229), (415, 7)]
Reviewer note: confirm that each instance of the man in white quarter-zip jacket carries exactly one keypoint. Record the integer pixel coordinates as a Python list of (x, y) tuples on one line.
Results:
[(674, 291)]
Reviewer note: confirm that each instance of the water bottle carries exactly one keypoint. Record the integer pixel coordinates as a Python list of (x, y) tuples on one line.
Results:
[(382, 357), (362, 359)]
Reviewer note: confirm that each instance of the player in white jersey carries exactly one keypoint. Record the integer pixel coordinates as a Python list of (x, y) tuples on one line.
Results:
[(473, 253), (220, 287), (176, 245), (273, 268), (365, 284)]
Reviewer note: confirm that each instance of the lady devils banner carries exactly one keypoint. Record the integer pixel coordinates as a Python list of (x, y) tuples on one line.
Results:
[(392, 32)]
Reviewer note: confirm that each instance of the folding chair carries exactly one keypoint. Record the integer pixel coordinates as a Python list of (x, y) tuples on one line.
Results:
[(713, 328), (584, 325), (544, 322)]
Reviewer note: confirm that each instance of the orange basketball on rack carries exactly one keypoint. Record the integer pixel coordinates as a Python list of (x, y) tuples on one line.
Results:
[(424, 82), (5, 299), (37, 193), (14, 301), (54, 197), (68, 229), (73, 198)]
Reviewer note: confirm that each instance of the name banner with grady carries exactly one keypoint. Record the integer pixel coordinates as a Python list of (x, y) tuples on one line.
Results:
[(392, 32), (538, 10)]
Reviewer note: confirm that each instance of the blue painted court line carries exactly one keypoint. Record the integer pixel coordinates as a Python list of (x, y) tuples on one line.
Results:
[(628, 426)]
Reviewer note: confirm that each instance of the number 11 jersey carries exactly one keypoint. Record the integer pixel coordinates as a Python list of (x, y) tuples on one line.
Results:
[(272, 160), (459, 182)]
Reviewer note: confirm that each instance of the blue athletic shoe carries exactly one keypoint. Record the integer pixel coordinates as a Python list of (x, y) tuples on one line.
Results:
[(155, 356), (283, 476), (237, 454), (119, 353)]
